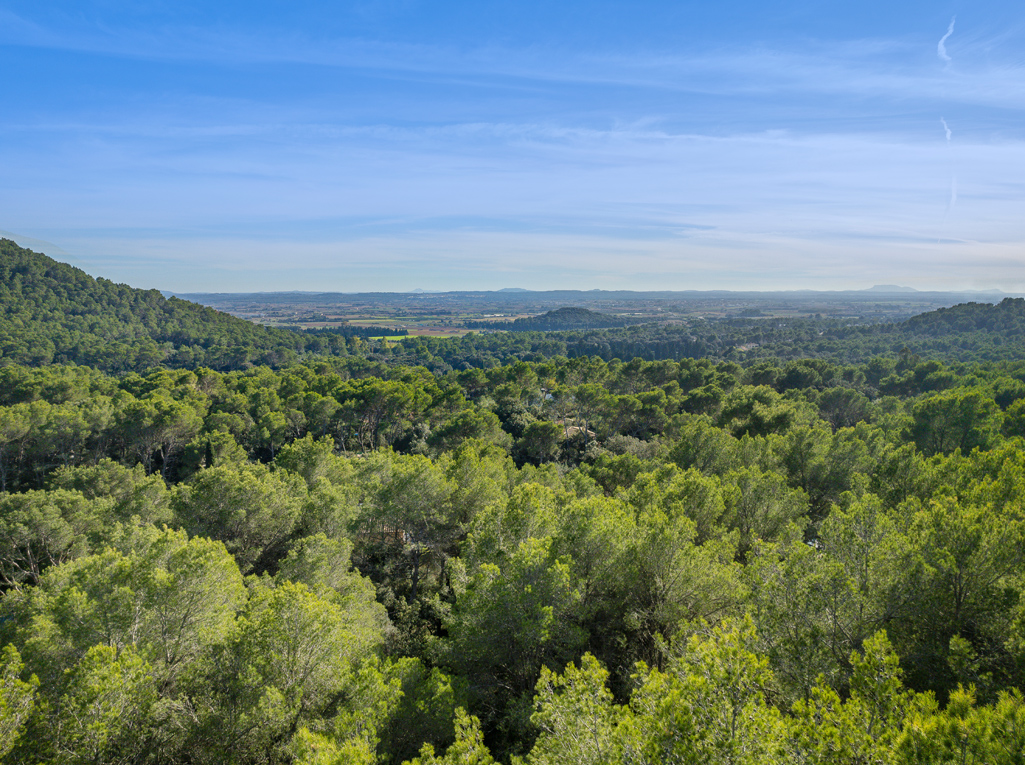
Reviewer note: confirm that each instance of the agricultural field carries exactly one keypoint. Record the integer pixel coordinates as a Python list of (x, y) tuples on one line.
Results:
[(451, 314)]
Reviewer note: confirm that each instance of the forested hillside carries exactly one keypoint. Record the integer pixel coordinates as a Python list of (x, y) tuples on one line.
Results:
[(51, 312), (1005, 321), (567, 561)]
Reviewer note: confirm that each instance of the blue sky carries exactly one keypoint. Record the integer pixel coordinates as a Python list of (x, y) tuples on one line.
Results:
[(394, 145)]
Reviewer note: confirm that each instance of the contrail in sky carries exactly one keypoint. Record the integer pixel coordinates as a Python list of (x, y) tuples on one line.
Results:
[(941, 51), (941, 47)]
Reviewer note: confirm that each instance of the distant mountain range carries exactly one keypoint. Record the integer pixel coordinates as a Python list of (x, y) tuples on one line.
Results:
[(517, 292), (890, 288)]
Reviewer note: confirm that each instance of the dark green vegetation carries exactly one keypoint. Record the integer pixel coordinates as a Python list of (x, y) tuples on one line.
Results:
[(565, 560), (51, 312), (352, 331)]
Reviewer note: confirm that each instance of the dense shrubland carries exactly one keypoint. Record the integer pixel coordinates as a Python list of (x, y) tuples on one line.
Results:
[(565, 560)]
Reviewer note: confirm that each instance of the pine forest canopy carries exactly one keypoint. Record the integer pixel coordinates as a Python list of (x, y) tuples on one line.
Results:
[(506, 547)]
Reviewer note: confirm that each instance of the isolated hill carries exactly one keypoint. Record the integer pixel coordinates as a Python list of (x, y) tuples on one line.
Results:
[(51, 312), (1005, 318), (559, 319)]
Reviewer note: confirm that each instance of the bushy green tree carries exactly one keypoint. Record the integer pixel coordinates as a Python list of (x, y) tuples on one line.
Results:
[(17, 699), (576, 716), (508, 624), (961, 418), (251, 509), (708, 706), (862, 728)]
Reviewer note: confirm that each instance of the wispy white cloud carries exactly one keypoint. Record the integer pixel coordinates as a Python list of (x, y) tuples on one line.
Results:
[(941, 46), (621, 196), (869, 67), (533, 166)]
